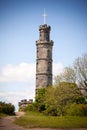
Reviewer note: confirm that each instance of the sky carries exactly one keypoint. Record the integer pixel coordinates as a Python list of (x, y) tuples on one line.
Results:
[(19, 30)]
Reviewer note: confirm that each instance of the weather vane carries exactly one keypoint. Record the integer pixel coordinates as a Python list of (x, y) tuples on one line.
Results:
[(44, 15)]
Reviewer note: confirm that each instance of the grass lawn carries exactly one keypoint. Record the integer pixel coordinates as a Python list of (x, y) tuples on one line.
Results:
[(33, 119), (3, 115)]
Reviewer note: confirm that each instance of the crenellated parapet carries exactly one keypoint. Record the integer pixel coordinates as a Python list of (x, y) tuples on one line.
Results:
[(23, 103)]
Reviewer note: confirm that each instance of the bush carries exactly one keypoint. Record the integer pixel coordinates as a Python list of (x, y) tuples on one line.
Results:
[(51, 111), (40, 100), (29, 107), (80, 100), (84, 109), (7, 108), (76, 110)]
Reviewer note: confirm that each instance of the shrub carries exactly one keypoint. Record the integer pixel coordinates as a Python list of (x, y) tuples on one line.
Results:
[(51, 111), (84, 109), (76, 110), (40, 100), (7, 108), (29, 107), (80, 100)]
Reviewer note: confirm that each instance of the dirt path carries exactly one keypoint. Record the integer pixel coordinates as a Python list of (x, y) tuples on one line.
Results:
[(6, 123)]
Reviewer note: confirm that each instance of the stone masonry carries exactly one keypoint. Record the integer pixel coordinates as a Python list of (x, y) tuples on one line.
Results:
[(44, 58), (23, 103)]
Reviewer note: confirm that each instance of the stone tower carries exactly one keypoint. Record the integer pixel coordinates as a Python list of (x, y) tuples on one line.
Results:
[(44, 58)]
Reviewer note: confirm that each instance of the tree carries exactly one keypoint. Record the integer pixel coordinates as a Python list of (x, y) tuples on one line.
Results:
[(58, 97), (7, 108), (39, 100), (50, 101), (68, 75), (80, 66)]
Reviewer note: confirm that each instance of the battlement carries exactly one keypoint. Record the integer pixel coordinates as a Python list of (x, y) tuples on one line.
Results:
[(23, 103), (44, 27)]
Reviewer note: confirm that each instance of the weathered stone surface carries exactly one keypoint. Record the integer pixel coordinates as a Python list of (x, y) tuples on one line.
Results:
[(23, 103), (44, 58)]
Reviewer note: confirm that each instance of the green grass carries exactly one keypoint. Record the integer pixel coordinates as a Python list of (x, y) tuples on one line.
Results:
[(3, 115), (33, 120)]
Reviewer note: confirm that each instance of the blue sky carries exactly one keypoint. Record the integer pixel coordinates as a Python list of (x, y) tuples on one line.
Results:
[(19, 23)]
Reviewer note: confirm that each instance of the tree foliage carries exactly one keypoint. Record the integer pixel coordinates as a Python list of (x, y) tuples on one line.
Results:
[(68, 75), (59, 100), (80, 66), (54, 99), (58, 97), (7, 108), (76, 109), (39, 100), (75, 74)]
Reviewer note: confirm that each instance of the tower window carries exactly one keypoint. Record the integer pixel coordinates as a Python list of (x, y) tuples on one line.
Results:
[(47, 37), (48, 53)]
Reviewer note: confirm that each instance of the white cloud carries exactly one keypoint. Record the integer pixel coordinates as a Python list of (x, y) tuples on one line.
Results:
[(20, 72), (23, 72), (57, 68)]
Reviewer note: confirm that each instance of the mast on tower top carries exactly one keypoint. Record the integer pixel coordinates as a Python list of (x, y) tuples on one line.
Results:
[(44, 15)]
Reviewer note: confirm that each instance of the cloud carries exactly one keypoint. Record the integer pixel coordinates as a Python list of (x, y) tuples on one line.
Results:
[(24, 72), (21, 72), (57, 68)]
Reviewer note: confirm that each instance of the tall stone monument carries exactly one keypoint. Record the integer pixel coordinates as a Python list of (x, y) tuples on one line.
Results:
[(44, 57)]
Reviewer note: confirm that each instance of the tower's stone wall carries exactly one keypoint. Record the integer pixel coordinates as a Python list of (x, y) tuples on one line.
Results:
[(44, 58)]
